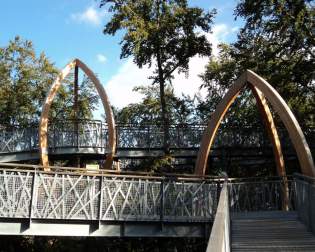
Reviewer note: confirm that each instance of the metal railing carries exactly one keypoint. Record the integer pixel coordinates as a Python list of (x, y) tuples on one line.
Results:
[(63, 195), (220, 233), (94, 134), (305, 200), (262, 194)]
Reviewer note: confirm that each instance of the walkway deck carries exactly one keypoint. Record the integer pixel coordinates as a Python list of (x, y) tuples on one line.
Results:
[(270, 231)]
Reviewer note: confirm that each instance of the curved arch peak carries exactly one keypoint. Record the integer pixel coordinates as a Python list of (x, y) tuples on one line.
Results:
[(43, 126), (279, 105)]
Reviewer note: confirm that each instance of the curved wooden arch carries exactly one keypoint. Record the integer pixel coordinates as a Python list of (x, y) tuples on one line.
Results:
[(286, 115), (271, 129), (43, 126)]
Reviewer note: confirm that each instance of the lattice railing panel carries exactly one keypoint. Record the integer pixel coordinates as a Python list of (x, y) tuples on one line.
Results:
[(261, 196), (132, 199), (66, 197), (84, 197), (18, 139), (15, 194), (189, 201)]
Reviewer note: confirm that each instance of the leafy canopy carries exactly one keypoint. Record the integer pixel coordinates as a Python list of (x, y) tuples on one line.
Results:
[(167, 27), (277, 42), (25, 79)]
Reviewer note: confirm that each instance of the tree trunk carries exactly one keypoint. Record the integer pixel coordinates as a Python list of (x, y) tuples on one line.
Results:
[(164, 112)]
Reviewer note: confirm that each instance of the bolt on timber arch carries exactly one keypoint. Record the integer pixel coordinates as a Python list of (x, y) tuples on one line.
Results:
[(261, 89), (43, 126)]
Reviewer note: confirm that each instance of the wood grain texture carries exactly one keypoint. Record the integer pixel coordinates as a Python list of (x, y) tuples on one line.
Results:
[(271, 129), (43, 126), (279, 105)]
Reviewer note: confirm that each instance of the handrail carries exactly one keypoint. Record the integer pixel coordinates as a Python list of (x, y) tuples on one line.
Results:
[(108, 173), (304, 197), (304, 177), (220, 233)]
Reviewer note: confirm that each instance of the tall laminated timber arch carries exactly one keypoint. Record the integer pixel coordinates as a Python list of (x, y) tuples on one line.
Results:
[(43, 127), (262, 90)]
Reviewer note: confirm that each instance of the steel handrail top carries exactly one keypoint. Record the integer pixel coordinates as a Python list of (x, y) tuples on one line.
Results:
[(108, 173)]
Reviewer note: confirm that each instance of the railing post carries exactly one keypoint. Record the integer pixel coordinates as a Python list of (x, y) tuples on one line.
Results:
[(148, 138), (162, 201), (33, 193), (30, 133), (218, 190), (54, 136), (309, 208), (101, 138), (100, 202)]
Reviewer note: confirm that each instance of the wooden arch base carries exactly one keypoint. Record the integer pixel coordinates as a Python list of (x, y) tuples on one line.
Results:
[(262, 89), (43, 126)]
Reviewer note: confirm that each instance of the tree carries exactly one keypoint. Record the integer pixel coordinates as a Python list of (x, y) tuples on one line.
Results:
[(24, 81), (180, 109), (277, 42), (166, 32)]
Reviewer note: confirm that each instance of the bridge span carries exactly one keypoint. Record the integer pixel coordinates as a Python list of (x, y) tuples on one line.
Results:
[(77, 202), (90, 138), (80, 202), (260, 225)]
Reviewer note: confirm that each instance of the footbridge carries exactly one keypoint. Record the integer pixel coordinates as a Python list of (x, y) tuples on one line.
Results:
[(271, 217), (254, 214), (89, 138), (79, 202)]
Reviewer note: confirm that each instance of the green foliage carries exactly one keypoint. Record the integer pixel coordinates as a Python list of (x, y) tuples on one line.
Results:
[(62, 107), (165, 27), (277, 42), (181, 110), (165, 32), (24, 82), (220, 73), (24, 78)]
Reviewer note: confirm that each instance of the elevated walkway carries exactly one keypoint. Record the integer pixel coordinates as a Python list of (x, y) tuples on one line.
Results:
[(77, 202), (90, 139), (270, 215), (270, 231)]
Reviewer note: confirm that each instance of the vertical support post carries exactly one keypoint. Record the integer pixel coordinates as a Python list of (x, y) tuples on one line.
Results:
[(100, 202), (148, 137), (218, 191), (162, 202), (101, 138), (76, 92), (75, 109), (63, 193), (33, 193), (309, 210), (30, 134)]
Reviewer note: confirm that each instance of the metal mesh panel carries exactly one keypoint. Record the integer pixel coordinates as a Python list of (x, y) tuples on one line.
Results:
[(189, 201), (15, 194), (132, 199), (260, 196), (83, 197), (66, 197)]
